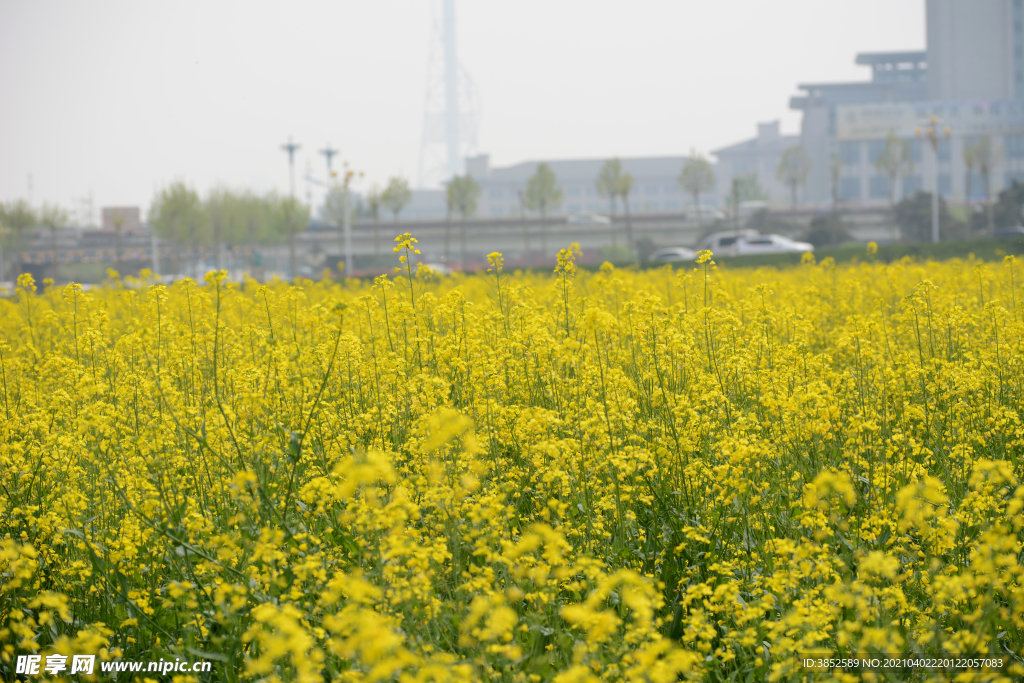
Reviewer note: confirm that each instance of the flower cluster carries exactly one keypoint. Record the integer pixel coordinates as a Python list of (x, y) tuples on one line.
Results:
[(702, 474)]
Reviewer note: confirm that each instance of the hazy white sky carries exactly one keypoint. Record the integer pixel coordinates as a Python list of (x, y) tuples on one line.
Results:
[(118, 98)]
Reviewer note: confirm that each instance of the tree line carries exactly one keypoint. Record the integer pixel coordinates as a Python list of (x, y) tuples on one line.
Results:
[(182, 219), (224, 219), (542, 194)]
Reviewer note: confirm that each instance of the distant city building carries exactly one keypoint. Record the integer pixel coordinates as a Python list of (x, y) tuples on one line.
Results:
[(759, 156), (971, 77), (898, 78), (425, 205), (655, 185), (975, 50), (128, 215), (655, 188)]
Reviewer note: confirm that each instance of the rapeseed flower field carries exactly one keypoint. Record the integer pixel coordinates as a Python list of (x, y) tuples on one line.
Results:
[(700, 474)]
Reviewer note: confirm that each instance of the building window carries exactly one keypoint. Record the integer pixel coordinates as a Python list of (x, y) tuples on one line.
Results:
[(670, 188), (977, 186), (943, 150), (945, 184), (915, 151), (497, 211), (1014, 146), (497, 194), (593, 206), (850, 152), (573, 208), (591, 191), (671, 205), (875, 150), (573, 191), (650, 189), (878, 187), (849, 188), (911, 184)]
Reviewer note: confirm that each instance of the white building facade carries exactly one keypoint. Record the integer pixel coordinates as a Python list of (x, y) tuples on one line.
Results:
[(970, 78)]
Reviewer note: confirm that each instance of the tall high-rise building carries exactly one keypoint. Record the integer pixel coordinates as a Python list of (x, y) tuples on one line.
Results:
[(975, 49), (970, 78)]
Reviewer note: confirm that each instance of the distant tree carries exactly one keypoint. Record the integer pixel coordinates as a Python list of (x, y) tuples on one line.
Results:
[(335, 211), (607, 184), (696, 178), (793, 169), (970, 156), (17, 217), (827, 231), (293, 214), (1008, 210), (914, 216), (219, 207), (894, 162), (338, 208), (835, 167), (374, 201), (54, 218), (451, 200), (983, 155), (396, 196), (542, 194), (174, 211), (463, 193), (526, 227), (625, 187), (744, 188), (254, 215), (118, 221), (233, 232), (645, 246)]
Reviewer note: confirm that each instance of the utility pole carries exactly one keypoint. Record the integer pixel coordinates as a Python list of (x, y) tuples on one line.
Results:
[(153, 251), (451, 88), (932, 133), (350, 264), (329, 153), (309, 187), (291, 148)]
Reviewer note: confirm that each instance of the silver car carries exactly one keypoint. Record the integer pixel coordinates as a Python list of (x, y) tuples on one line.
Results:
[(770, 244), (671, 254)]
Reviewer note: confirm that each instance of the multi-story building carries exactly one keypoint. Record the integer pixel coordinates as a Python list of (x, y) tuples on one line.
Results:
[(759, 156), (970, 78), (975, 50), (655, 185), (655, 188)]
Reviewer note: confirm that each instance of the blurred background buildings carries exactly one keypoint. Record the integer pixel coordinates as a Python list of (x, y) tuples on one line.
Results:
[(968, 85)]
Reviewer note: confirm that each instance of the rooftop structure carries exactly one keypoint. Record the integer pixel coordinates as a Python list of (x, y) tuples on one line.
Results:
[(759, 156), (128, 216), (971, 77)]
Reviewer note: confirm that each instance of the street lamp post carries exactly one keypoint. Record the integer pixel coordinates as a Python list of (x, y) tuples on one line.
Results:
[(291, 148), (931, 131)]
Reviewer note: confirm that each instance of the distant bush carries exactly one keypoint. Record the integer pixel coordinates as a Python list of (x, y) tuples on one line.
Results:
[(827, 231)]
